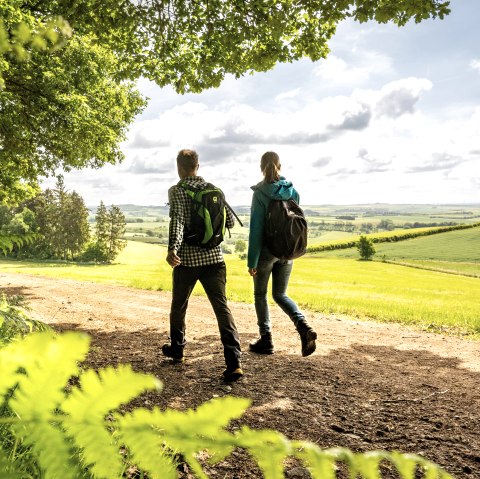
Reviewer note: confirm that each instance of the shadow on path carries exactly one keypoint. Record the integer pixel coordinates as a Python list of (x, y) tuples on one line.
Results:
[(362, 397)]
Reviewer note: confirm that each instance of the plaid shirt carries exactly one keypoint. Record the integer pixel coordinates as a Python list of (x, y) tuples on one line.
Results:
[(180, 208)]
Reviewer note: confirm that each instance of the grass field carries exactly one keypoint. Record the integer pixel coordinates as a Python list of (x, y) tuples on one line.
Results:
[(387, 292), (459, 246)]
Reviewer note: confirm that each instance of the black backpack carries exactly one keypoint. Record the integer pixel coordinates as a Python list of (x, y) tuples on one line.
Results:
[(208, 216), (285, 229)]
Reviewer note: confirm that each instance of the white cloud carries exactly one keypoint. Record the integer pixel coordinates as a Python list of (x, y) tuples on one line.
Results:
[(358, 70), (287, 95), (475, 65), (400, 97), (378, 121)]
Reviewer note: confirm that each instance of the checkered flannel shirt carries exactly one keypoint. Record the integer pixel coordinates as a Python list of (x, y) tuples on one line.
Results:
[(180, 211)]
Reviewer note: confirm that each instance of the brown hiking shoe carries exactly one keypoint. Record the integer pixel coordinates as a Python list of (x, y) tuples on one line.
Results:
[(232, 375), (308, 337), (263, 345), (175, 354)]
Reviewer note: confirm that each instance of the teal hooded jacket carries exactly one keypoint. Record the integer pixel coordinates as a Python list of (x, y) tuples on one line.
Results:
[(263, 193)]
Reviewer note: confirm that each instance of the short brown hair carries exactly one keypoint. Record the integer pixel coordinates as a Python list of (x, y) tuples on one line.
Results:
[(187, 159), (270, 166)]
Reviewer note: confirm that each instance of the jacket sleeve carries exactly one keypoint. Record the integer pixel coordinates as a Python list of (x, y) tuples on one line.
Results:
[(296, 196), (255, 237), (177, 218)]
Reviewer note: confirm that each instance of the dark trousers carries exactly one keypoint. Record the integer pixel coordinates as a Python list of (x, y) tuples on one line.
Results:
[(213, 278)]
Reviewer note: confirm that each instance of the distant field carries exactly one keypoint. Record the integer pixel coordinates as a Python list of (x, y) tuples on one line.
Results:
[(453, 267), (327, 236), (453, 246), (383, 291)]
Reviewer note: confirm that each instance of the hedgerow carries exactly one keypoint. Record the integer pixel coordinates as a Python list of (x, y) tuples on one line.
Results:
[(388, 237)]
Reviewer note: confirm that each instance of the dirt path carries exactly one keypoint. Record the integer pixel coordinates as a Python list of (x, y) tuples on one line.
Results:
[(368, 386)]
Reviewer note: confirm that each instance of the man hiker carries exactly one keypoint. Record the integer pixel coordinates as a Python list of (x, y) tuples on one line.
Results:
[(192, 262)]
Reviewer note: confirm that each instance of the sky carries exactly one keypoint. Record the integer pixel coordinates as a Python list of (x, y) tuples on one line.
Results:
[(391, 116)]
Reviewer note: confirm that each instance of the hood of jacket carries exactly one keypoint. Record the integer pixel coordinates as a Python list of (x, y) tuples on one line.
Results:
[(280, 190)]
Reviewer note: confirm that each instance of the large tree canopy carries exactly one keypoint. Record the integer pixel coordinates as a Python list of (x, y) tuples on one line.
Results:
[(70, 107)]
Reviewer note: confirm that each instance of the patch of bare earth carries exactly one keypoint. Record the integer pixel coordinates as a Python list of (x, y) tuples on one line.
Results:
[(368, 386)]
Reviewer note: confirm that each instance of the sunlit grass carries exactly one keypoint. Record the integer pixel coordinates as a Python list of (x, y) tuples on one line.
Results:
[(382, 291)]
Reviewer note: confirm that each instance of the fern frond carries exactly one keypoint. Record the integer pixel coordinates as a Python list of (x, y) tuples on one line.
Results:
[(14, 321), (87, 407), (53, 359), (269, 448), (48, 365), (186, 432), (320, 463), (406, 465), (47, 362), (7, 242), (6, 245), (8, 469), (50, 447), (146, 446)]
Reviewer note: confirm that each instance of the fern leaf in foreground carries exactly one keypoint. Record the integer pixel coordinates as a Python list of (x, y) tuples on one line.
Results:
[(87, 407), (321, 463), (147, 448), (7, 468), (186, 432), (67, 434), (40, 366), (269, 448)]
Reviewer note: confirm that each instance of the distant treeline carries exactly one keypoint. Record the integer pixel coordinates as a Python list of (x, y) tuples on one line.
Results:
[(387, 237)]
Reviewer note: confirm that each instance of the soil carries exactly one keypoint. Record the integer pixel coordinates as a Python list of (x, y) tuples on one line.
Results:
[(368, 386)]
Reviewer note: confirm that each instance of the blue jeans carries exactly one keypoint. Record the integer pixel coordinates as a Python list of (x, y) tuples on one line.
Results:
[(280, 271)]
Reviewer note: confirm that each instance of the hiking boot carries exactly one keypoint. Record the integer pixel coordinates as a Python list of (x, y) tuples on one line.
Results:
[(308, 337), (175, 354), (232, 375), (263, 345)]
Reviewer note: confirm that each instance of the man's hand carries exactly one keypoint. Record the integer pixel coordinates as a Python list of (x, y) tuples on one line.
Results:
[(252, 272), (172, 259)]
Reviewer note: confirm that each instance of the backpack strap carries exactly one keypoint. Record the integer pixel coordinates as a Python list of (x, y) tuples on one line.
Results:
[(234, 214)]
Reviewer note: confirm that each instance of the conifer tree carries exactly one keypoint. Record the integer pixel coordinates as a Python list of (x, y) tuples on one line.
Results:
[(75, 224), (102, 230), (116, 229)]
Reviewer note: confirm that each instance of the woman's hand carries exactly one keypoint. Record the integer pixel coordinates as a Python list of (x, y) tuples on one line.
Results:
[(252, 272)]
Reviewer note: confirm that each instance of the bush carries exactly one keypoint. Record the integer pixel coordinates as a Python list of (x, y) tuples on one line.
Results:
[(365, 248), (94, 253)]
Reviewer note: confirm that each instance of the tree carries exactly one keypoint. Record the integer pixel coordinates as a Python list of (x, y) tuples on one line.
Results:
[(116, 229), (365, 248), (240, 246), (75, 225), (62, 110), (386, 225), (61, 219), (101, 225), (20, 37), (69, 107)]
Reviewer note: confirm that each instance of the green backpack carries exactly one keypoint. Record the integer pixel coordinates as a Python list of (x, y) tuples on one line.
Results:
[(208, 216)]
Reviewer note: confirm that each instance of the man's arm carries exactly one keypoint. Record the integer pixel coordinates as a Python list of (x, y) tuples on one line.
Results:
[(176, 227)]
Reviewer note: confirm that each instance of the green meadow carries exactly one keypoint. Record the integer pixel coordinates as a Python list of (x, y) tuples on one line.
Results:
[(454, 251), (323, 282)]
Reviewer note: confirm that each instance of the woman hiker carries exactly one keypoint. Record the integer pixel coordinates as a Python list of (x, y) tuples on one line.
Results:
[(262, 263)]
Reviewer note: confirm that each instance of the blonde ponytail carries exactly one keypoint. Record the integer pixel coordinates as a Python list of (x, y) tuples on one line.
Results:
[(270, 166)]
